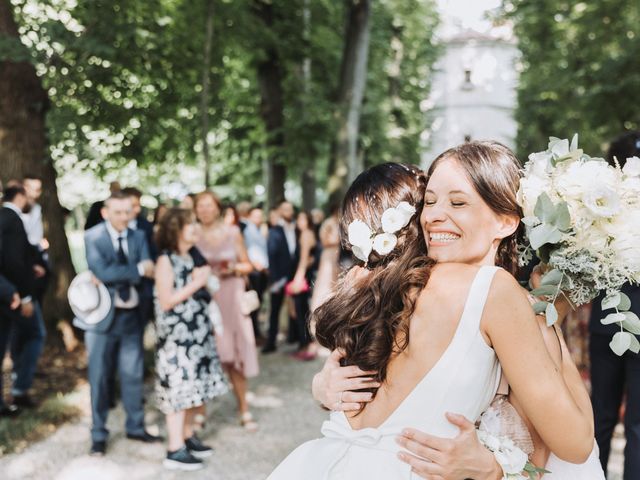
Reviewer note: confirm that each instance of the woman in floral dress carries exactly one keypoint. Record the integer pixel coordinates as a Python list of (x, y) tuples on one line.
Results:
[(187, 364)]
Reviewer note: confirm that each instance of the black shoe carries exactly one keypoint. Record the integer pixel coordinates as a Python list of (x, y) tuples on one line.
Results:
[(98, 448), (197, 448), (268, 349), (182, 459), (24, 401), (9, 411), (145, 437)]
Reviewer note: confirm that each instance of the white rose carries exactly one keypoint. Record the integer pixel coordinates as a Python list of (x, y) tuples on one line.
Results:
[(581, 177), (559, 147), (488, 440), (530, 189), (384, 243), (602, 201), (393, 220), (512, 461), (632, 167), (406, 208), (359, 235)]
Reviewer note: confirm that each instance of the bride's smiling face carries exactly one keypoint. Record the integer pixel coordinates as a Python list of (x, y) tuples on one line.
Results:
[(458, 225)]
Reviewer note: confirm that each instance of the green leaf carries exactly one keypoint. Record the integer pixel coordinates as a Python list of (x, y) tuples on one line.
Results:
[(544, 208), (610, 301), (544, 290), (635, 345), (574, 142), (613, 318), (625, 302), (540, 307), (530, 221), (621, 343), (631, 323), (562, 217), (542, 234), (552, 314), (552, 277)]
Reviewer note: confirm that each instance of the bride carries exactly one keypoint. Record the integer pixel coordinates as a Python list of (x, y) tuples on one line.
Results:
[(487, 174), (433, 334)]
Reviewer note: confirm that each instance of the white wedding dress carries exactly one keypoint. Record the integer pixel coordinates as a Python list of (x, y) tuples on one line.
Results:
[(464, 380)]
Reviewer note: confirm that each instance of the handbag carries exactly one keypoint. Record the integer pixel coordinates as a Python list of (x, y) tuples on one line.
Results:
[(249, 302), (289, 290)]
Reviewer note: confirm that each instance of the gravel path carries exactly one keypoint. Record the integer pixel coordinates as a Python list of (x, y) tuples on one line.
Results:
[(281, 402)]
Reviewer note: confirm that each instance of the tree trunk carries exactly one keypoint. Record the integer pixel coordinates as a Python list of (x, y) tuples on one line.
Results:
[(271, 108), (308, 180), (23, 149), (204, 97), (345, 163)]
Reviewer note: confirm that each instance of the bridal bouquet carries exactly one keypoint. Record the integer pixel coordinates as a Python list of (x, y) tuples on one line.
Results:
[(582, 219)]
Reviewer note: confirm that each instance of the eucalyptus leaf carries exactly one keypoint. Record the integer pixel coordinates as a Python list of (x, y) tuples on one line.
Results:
[(542, 234), (635, 345), (631, 323), (610, 301), (552, 277), (540, 307), (530, 221), (544, 208), (620, 343), (562, 217), (613, 318), (544, 290), (551, 314), (625, 302), (574, 142)]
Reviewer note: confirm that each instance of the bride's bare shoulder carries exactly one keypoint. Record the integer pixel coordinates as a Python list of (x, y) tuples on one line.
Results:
[(450, 279)]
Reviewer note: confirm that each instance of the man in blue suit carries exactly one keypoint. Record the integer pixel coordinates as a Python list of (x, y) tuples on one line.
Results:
[(118, 257), (613, 376), (281, 248)]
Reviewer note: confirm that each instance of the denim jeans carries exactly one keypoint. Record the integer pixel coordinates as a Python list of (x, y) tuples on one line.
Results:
[(27, 343)]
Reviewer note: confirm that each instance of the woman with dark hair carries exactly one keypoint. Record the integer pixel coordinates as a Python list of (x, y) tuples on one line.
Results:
[(329, 236), (466, 184), (187, 365), (300, 287), (406, 322)]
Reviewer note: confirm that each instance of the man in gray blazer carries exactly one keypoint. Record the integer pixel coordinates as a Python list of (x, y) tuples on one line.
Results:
[(118, 257)]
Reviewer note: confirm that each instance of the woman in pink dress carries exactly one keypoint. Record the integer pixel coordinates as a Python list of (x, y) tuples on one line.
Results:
[(223, 247)]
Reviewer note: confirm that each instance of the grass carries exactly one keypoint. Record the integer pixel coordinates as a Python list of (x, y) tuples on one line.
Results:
[(17, 432)]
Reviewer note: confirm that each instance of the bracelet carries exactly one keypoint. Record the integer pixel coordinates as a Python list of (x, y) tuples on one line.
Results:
[(513, 461)]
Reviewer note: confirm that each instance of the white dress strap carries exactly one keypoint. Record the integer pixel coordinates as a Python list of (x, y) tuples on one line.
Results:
[(476, 299)]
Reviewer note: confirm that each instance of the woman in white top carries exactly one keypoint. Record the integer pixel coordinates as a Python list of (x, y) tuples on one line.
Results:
[(465, 184), (431, 335)]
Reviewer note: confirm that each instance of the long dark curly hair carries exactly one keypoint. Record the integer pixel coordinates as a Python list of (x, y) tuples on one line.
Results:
[(494, 171), (368, 315)]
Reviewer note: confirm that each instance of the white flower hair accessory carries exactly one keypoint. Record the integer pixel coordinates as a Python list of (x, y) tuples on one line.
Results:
[(364, 240)]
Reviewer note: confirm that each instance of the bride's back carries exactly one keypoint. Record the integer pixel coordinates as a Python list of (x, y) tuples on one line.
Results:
[(432, 328)]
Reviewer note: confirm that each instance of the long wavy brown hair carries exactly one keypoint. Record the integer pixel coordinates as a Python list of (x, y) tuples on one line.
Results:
[(368, 315), (494, 171)]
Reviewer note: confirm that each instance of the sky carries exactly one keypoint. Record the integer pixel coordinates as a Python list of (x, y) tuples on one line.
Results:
[(466, 13)]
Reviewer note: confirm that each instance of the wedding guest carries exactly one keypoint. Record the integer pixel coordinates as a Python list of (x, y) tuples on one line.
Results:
[(243, 209), (139, 222), (118, 257), (300, 287), (281, 248), (613, 375), (273, 218), (10, 303), (328, 267), (231, 216), (188, 371), (256, 244), (19, 259), (188, 201), (94, 217), (224, 249), (161, 209)]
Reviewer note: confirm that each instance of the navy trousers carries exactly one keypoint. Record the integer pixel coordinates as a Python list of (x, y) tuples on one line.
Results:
[(6, 323), (27, 344), (611, 376), (119, 349)]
